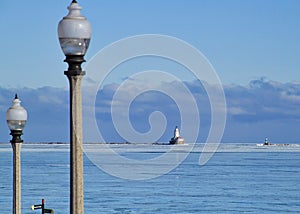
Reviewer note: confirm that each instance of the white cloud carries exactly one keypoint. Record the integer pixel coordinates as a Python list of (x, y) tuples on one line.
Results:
[(248, 107)]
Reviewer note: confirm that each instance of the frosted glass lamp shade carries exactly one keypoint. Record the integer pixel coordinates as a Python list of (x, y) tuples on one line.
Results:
[(16, 116), (74, 32)]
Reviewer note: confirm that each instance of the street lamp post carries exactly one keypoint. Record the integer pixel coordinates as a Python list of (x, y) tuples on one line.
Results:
[(16, 117), (74, 34)]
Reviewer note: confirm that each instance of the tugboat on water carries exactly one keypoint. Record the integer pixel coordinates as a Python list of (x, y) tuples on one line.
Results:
[(177, 139), (267, 142)]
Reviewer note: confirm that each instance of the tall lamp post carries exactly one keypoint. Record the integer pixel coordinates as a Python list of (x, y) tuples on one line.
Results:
[(74, 34), (16, 117)]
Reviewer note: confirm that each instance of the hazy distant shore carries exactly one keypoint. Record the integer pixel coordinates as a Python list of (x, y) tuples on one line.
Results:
[(124, 147)]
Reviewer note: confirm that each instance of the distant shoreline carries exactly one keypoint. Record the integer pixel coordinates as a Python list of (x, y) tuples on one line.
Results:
[(157, 143)]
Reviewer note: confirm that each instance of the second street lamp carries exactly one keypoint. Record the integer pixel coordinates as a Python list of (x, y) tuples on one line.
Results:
[(74, 34), (16, 117)]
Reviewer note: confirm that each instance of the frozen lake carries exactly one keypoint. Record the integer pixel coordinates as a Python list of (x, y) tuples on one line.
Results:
[(239, 178)]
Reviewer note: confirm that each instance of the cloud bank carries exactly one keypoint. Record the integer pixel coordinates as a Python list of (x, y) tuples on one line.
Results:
[(263, 108)]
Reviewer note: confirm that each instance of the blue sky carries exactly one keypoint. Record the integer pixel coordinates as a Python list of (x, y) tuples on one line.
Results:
[(243, 40)]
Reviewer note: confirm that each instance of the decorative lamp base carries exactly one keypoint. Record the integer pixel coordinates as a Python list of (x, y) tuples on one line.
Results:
[(74, 62), (16, 136)]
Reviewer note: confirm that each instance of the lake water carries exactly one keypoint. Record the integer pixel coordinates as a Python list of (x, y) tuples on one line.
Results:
[(239, 178)]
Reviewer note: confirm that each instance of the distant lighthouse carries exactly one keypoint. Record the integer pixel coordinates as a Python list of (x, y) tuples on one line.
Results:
[(177, 139), (176, 132)]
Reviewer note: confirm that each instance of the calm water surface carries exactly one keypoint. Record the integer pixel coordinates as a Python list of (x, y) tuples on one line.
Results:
[(236, 180)]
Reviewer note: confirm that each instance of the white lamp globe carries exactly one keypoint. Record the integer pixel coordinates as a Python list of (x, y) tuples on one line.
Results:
[(16, 116), (74, 32)]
